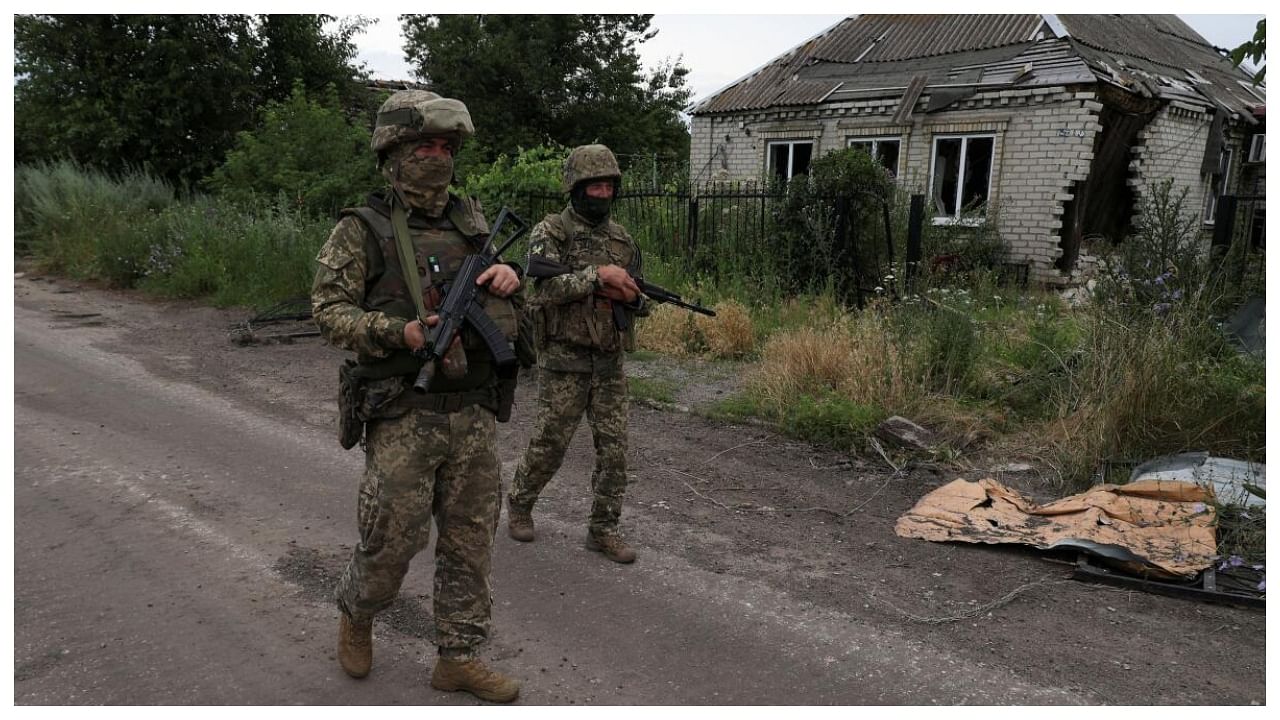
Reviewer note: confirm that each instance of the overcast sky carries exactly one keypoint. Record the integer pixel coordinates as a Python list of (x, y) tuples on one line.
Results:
[(719, 49)]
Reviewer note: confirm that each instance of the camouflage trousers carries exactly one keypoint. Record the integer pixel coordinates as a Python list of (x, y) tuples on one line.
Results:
[(563, 397), (419, 465)]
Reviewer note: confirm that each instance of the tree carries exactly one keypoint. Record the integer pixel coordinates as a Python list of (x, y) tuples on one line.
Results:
[(305, 150), (161, 93), (531, 80), (1255, 50), (298, 49)]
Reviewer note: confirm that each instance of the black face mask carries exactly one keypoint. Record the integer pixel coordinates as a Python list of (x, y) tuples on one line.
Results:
[(594, 209)]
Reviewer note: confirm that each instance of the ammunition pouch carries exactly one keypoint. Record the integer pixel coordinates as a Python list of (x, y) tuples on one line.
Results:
[(365, 393), (350, 390)]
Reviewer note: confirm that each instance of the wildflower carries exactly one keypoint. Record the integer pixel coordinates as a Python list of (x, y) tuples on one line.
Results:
[(1263, 585), (1234, 561), (1198, 507)]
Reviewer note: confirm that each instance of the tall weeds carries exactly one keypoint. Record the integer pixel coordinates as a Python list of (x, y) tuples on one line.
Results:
[(130, 230)]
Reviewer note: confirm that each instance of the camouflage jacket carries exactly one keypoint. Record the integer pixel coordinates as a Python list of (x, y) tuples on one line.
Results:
[(575, 328), (360, 303)]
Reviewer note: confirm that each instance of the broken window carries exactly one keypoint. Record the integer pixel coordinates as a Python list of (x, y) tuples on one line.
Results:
[(1216, 185), (1258, 148), (789, 158), (883, 149), (961, 174)]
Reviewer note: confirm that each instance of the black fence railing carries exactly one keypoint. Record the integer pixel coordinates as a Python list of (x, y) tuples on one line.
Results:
[(747, 231)]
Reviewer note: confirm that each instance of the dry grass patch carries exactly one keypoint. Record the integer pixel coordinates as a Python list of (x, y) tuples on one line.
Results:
[(854, 357), (666, 330), (731, 333)]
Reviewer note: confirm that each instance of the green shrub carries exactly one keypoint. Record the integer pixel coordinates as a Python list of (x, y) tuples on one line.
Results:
[(235, 255), (85, 222), (510, 180), (306, 151)]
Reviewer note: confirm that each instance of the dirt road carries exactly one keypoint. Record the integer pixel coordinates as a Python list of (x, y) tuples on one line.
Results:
[(182, 509)]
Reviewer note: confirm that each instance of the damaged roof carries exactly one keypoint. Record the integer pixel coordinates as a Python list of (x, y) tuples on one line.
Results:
[(868, 56)]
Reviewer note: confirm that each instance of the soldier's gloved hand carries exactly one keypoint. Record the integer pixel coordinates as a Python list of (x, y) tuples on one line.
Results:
[(414, 333), (501, 278), (612, 276)]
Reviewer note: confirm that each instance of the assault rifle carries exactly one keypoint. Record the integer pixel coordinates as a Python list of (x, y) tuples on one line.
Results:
[(461, 307), (540, 267)]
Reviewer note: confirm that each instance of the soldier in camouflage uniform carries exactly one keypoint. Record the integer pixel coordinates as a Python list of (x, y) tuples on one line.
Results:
[(430, 454), (580, 348)]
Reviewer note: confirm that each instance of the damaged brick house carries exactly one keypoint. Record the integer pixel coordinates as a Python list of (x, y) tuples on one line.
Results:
[(1062, 122)]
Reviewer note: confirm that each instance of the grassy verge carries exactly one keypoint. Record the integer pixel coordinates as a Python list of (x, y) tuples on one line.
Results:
[(131, 231)]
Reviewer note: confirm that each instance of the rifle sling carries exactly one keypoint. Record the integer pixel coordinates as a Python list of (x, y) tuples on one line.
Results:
[(408, 264)]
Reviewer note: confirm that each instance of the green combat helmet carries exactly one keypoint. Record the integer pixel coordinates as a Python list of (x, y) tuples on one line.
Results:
[(591, 162), (411, 115)]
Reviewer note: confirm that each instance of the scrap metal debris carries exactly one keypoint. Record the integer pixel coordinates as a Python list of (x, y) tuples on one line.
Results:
[(294, 314), (1154, 528), (1234, 482)]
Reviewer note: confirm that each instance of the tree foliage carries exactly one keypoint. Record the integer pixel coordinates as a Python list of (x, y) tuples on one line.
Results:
[(164, 93), (511, 180), (532, 80), (304, 150), (1255, 51)]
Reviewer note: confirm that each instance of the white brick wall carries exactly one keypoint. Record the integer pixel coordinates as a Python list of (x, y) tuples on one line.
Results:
[(1172, 147)]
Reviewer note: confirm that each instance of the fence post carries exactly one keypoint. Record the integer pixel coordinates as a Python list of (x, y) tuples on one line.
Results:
[(693, 226), (1220, 245), (843, 245), (915, 248)]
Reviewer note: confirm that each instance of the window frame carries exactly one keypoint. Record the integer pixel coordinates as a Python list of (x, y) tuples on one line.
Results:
[(941, 219), (791, 155), (875, 141), (1257, 148), (1227, 155)]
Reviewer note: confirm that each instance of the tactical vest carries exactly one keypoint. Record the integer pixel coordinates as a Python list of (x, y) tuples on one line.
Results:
[(439, 246), (588, 322)]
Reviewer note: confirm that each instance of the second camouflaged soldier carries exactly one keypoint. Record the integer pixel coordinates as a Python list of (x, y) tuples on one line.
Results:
[(426, 455), (580, 348)]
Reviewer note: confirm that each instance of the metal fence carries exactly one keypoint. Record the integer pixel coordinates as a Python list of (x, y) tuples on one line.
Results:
[(747, 231)]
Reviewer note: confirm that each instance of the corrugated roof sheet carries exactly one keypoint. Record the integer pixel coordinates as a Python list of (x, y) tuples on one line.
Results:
[(873, 55), (1151, 54), (886, 38)]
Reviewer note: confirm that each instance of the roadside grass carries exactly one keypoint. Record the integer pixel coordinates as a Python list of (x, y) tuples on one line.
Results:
[(655, 389), (131, 231)]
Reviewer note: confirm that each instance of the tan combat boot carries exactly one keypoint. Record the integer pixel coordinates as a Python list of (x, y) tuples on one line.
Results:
[(474, 677), (519, 524), (612, 547), (355, 646)]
